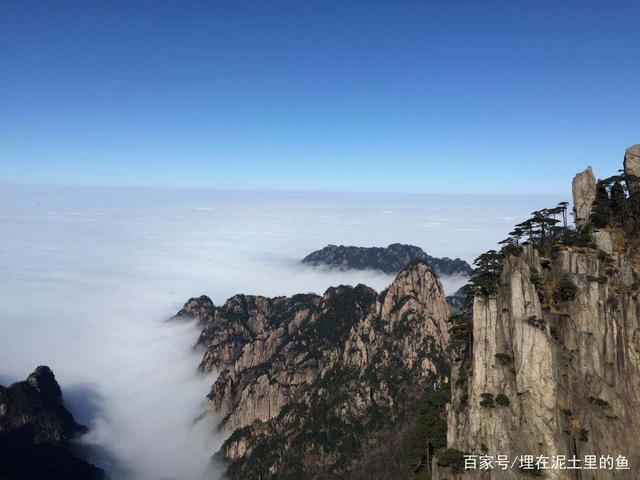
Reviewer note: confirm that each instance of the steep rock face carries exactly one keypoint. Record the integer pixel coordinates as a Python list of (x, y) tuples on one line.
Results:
[(584, 193), (391, 259), (289, 339), (563, 347), (308, 383), (259, 323), (632, 169)]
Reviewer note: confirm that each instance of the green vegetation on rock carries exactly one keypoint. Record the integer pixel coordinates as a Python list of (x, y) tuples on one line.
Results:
[(451, 458)]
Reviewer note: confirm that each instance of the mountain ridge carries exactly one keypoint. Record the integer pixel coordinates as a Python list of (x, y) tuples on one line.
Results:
[(391, 259), (359, 356)]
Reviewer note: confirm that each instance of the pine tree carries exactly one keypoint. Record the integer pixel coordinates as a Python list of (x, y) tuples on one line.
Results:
[(618, 202), (601, 211)]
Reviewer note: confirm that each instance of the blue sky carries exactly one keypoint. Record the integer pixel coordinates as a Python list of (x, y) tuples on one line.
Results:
[(437, 96)]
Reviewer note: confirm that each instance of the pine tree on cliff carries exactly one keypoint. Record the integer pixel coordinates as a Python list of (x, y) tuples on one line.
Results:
[(601, 212), (563, 209), (487, 273), (618, 202)]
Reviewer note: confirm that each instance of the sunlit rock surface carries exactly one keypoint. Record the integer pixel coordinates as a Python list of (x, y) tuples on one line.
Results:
[(306, 382), (569, 367)]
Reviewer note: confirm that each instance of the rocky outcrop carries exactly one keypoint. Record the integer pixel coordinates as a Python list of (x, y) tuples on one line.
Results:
[(308, 383), (584, 193), (278, 349), (38, 402), (632, 172), (391, 259), (553, 366), (632, 160), (35, 431), (201, 308)]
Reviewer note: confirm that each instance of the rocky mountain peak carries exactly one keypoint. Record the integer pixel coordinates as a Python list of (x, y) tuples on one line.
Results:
[(37, 402), (201, 308), (43, 381), (414, 277), (359, 357), (35, 431), (416, 288)]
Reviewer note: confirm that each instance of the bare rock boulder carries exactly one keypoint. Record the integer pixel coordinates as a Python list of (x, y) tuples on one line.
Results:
[(632, 160), (632, 167)]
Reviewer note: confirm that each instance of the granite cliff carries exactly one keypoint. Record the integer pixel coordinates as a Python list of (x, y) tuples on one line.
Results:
[(547, 356), (540, 356), (311, 386)]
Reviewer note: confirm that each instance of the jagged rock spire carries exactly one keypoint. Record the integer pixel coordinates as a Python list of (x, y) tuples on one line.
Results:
[(584, 193), (43, 380), (632, 169)]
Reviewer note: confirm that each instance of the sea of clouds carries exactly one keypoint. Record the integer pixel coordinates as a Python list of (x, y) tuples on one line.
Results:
[(88, 277)]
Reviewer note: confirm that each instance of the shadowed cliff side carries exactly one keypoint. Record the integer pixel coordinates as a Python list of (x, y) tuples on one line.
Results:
[(35, 431)]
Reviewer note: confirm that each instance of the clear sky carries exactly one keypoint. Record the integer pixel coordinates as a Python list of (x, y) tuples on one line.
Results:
[(419, 96)]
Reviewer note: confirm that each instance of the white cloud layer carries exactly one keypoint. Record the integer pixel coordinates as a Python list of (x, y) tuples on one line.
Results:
[(88, 276)]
